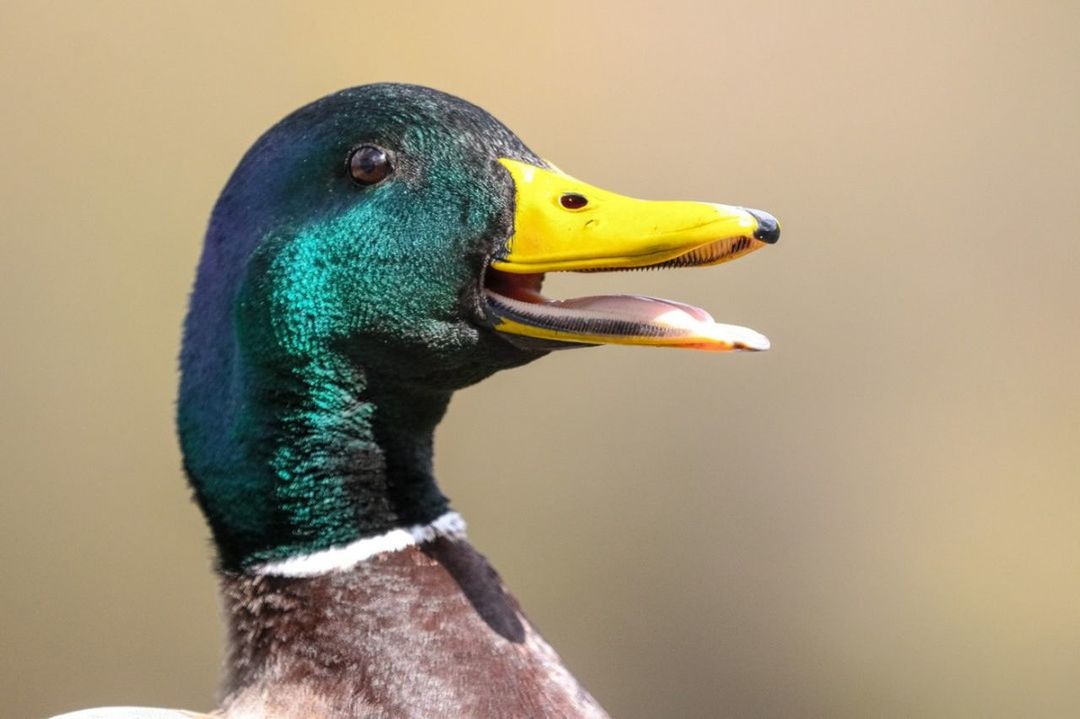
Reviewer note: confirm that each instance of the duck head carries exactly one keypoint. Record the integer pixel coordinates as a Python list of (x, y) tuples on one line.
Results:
[(374, 251)]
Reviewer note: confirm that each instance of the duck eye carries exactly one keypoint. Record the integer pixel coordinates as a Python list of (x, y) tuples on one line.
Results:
[(369, 164), (573, 201)]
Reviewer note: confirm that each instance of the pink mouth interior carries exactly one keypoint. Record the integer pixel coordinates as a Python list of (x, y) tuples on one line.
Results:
[(634, 315), (638, 308)]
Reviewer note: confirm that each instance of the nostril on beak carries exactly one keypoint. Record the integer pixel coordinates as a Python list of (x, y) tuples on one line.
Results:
[(573, 200), (768, 229)]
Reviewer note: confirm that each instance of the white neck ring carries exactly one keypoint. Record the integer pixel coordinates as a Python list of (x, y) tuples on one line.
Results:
[(337, 559)]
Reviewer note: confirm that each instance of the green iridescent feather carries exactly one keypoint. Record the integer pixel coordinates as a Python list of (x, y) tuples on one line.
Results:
[(330, 322)]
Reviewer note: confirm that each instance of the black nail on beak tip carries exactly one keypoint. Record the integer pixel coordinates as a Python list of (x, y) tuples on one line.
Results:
[(768, 229)]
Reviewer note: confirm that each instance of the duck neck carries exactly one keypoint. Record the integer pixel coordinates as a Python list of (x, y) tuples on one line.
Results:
[(323, 454)]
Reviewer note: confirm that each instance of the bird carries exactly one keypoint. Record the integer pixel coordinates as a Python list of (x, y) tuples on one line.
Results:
[(373, 252)]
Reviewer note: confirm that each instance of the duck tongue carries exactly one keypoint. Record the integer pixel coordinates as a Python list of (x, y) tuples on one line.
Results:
[(623, 319), (664, 315), (639, 308)]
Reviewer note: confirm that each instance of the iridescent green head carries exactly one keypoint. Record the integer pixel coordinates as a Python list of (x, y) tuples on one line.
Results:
[(370, 216), (338, 303), (373, 252)]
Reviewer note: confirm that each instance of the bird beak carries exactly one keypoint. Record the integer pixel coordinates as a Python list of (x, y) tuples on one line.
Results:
[(564, 224)]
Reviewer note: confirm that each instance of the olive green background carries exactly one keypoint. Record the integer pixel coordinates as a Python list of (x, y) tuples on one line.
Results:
[(879, 517)]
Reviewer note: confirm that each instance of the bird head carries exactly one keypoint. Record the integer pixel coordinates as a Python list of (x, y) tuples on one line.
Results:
[(410, 231), (372, 252)]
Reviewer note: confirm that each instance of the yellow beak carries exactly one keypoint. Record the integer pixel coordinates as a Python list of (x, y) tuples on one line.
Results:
[(561, 224)]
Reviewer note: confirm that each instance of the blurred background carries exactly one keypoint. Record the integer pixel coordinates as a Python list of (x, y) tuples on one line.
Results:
[(879, 517)]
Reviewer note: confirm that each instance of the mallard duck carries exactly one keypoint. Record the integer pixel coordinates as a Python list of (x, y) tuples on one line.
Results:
[(373, 252)]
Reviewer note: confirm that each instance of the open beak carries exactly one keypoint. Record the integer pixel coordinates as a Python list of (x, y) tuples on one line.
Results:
[(563, 224)]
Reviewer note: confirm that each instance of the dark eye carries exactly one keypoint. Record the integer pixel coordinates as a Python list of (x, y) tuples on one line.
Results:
[(573, 201), (369, 164)]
